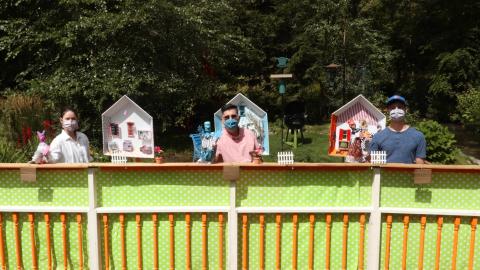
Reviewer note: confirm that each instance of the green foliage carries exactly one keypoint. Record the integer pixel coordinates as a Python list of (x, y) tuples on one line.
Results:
[(469, 108), (440, 142), (9, 153)]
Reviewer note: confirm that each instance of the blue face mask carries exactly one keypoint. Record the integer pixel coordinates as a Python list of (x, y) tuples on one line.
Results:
[(231, 123)]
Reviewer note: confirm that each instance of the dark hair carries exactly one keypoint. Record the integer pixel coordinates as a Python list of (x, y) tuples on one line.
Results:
[(68, 109), (229, 106)]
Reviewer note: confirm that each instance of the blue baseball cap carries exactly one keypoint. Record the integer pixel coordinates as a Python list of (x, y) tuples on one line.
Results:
[(395, 98)]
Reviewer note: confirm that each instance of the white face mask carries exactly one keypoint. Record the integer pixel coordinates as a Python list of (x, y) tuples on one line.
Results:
[(397, 114), (70, 125)]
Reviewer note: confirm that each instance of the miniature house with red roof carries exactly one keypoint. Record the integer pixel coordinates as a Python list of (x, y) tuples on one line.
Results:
[(359, 118)]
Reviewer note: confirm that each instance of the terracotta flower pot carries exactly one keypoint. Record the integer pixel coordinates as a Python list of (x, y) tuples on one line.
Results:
[(257, 160), (159, 160)]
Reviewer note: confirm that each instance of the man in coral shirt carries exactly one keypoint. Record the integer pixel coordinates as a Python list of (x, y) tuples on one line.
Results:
[(236, 143)]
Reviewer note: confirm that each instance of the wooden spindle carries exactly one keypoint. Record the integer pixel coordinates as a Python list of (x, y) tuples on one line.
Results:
[(220, 240), (423, 223), (63, 220), (311, 241), (278, 242), (244, 242), (294, 241), (138, 220), (18, 247), (80, 241), (456, 227), (262, 243), (439, 242), (345, 241), (106, 251), (473, 224), (123, 252), (2, 245), (49, 244), (155, 241), (328, 221), (31, 220), (361, 241), (172, 241), (204, 242), (387, 241), (188, 239), (406, 222)]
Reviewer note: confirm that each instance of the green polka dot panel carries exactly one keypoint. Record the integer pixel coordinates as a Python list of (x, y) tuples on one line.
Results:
[(163, 234), (304, 188), (52, 188), (430, 243), (447, 190), (178, 188), (41, 250), (303, 238)]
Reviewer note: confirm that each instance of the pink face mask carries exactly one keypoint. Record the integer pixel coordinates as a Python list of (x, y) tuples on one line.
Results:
[(70, 125)]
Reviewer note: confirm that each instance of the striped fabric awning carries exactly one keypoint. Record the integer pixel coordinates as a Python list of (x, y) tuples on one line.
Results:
[(358, 113)]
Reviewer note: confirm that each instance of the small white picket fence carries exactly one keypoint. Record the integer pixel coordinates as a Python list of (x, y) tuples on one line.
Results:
[(378, 157), (285, 157), (118, 157)]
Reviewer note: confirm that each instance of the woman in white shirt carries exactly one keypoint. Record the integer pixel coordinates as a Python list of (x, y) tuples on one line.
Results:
[(70, 146)]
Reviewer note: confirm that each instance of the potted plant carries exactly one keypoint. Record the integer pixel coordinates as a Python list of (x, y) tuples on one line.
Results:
[(158, 155)]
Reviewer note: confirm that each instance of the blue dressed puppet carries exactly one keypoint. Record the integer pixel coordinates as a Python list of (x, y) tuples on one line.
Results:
[(208, 143)]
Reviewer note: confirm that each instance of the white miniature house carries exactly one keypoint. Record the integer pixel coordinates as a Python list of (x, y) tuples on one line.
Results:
[(359, 118), (251, 117), (127, 129)]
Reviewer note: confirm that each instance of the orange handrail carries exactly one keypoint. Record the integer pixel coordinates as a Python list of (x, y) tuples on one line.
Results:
[(244, 242), (122, 242), (105, 241), (387, 241), (361, 242), (172, 241), (63, 220), (204, 242), (188, 239), (49, 245), (311, 241), (473, 224), (2, 247), (138, 220), (406, 221), (155, 241), (456, 227), (423, 224), (80, 241), (328, 222), (295, 241), (262, 243), (278, 225), (345, 241), (439, 242), (31, 220), (220, 241), (18, 248)]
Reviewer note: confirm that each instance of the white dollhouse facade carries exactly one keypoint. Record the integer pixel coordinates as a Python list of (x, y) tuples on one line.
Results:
[(127, 129)]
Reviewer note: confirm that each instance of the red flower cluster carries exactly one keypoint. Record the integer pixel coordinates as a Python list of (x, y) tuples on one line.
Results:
[(158, 151)]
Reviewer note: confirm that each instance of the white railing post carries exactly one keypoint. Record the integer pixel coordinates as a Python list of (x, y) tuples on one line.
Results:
[(374, 225), (232, 228), (93, 228)]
